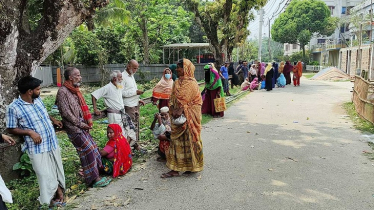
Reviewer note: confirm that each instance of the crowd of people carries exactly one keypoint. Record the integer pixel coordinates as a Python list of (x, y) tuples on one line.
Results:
[(177, 124), (266, 76)]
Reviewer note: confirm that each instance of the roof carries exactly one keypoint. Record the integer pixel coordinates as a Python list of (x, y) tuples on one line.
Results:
[(187, 45)]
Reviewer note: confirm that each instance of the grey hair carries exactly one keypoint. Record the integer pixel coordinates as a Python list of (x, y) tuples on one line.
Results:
[(114, 74)]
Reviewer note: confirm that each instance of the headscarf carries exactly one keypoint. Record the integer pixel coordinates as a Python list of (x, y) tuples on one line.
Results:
[(299, 68), (86, 111), (214, 79), (163, 88), (164, 109), (254, 83), (122, 151), (287, 68), (173, 68), (268, 68), (186, 94), (281, 67), (281, 81), (262, 68)]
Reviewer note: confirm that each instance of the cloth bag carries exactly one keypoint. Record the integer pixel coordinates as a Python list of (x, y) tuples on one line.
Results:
[(180, 120), (4, 192), (220, 104)]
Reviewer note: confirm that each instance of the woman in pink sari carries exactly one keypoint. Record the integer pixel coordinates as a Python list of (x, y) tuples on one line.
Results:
[(162, 91)]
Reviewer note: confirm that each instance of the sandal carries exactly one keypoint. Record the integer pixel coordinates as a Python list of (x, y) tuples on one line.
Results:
[(103, 182), (170, 175)]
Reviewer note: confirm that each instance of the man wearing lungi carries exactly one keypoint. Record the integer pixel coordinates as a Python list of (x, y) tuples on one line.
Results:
[(27, 116), (77, 120)]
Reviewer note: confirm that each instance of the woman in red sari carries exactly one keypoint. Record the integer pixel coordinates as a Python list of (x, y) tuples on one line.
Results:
[(162, 91), (116, 155)]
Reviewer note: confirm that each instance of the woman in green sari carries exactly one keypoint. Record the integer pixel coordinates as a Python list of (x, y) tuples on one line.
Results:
[(213, 89)]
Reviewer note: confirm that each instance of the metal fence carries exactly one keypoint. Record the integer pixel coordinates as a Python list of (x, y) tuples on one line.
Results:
[(314, 68), (92, 74)]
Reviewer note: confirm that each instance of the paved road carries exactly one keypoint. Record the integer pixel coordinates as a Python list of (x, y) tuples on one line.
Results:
[(290, 148)]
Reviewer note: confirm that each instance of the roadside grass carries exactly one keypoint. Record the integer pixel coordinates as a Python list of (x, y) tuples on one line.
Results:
[(309, 75), (361, 125), (25, 191)]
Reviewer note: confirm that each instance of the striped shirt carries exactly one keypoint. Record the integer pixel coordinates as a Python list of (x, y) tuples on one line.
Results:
[(32, 116)]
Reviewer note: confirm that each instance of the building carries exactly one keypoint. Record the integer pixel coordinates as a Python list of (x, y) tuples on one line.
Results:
[(326, 49)]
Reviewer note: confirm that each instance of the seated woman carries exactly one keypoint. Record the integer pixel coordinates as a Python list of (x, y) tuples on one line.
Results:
[(254, 84), (245, 85), (281, 81), (116, 155), (161, 128)]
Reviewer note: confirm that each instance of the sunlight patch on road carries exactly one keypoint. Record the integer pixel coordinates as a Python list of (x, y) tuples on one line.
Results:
[(289, 143), (278, 183)]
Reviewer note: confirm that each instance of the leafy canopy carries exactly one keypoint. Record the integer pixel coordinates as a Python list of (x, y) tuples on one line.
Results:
[(301, 19)]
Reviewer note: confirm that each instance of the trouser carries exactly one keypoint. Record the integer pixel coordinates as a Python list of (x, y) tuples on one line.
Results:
[(296, 81), (2, 204)]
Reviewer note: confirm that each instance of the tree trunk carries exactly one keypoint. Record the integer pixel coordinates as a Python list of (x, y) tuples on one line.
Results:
[(23, 50), (143, 26)]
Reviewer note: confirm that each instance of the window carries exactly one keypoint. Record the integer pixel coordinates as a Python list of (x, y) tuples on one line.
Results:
[(332, 9), (294, 46), (321, 41), (287, 47), (344, 10)]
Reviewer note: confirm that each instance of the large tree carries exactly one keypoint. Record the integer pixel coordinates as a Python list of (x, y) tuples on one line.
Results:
[(301, 20), (30, 30), (224, 22)]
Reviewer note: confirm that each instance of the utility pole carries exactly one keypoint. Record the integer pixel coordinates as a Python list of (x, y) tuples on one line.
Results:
[(371, 39), (269, 42), (260, 34)]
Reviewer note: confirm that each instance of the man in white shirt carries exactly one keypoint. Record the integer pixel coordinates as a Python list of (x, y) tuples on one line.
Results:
[(130, 94)]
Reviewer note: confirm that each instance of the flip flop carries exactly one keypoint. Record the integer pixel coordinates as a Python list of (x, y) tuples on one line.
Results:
[(102, 183), (169, 175)]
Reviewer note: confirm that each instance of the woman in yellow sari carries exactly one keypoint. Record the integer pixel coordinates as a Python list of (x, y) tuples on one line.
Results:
[(186, 148)]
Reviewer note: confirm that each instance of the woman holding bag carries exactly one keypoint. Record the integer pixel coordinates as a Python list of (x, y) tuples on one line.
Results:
[(213, 89), (186, 149)]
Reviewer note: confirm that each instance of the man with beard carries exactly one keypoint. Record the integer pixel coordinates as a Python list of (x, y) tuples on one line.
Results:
[(27, 116), (77, 120), (130, 94), (112, 94)]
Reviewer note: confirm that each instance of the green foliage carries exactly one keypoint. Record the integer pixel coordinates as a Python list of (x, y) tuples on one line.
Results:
[(301, 19), (24, 165)]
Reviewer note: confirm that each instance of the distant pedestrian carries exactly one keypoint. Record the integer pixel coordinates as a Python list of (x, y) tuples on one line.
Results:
[(297, 73), (213, 89), (269, 73), (224, 77), (287, 72), (234, 79)]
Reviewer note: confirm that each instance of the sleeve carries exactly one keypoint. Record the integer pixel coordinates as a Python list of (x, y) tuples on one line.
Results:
[(11, 118), (99, 93), (1, 138), (63, 106)]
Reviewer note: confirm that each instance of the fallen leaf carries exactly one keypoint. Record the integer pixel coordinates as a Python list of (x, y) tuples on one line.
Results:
[(127, 202), (93, 207), (74, 187), (270, 169), (307, 118), (248, 131)]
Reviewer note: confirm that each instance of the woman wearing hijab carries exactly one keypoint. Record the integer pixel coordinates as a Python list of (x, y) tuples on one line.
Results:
[(281, 81), (281, 67), (297, 73), (116, 155), (186, 148), (287, 72), (234, 77), (275, 75), (161, 92), (213, 90), (173, 68), (269, 73), (254, 84)]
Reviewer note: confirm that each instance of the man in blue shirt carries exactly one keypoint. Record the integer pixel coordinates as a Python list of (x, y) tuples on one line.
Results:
[(27, 116), (225, 78)]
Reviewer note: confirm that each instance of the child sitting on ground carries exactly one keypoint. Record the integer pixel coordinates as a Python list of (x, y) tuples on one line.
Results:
[(116, 155), (161, 128)]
